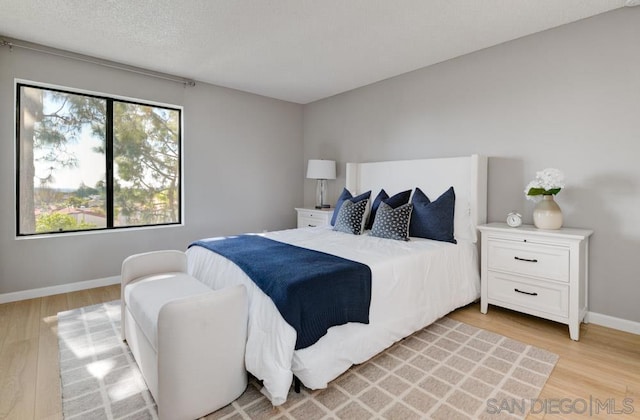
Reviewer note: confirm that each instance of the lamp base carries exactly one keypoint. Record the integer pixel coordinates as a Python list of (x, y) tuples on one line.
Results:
[(321, 194)]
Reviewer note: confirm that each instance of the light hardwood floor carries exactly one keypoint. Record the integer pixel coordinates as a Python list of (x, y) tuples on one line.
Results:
[(604, 365)]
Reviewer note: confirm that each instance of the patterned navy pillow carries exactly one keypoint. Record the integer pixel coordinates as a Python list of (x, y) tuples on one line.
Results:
[(433, 220), (350, 217), (344, 196), (392, 223), (394, 201)]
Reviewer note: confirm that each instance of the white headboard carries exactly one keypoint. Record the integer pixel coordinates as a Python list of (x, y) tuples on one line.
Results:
[(467, 175)]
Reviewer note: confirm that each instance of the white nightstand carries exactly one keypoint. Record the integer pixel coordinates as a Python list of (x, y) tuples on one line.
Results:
[(314, 217), (539, 272)]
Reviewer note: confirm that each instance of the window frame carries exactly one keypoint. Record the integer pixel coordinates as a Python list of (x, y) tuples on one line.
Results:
[(110, 99)]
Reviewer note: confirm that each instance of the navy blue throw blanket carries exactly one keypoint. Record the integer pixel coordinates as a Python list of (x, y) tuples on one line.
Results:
[(312, 290)]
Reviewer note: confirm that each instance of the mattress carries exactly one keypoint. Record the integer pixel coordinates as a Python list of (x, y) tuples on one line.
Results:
[(413, 284)]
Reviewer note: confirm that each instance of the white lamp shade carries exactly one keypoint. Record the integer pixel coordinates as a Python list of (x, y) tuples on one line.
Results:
[(321, 169)]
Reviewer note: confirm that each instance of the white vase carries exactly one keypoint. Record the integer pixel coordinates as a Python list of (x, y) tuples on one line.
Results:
[(547, 214)]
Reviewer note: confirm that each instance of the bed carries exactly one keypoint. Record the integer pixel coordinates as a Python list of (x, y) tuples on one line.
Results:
[(414, 283)]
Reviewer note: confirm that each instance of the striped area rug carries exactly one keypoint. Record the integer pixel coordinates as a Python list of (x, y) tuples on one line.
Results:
[(448, 370)]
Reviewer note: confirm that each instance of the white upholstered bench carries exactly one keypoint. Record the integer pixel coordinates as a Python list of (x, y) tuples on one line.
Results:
[(188, 340)]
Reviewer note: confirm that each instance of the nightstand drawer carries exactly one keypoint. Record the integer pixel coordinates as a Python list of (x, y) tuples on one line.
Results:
[(314, 217), (529, 259), (311, 214), (529, 295), (310, 221)]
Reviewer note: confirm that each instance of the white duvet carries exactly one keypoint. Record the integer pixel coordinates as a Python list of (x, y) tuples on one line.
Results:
[(413, 284)]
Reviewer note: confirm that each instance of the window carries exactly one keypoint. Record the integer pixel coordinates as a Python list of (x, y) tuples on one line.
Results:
[(89, 162)]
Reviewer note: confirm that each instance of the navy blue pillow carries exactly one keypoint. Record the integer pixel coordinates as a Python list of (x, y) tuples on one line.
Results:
[(346, 195), (433, 220), (394, 202)]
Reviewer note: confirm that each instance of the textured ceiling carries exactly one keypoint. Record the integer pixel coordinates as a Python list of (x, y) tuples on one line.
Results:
[(296, 50)]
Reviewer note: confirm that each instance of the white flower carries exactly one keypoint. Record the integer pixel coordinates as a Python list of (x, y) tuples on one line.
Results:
[(547, 182)]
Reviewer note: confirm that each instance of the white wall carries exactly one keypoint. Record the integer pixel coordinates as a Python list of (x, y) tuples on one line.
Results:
[(243, 171), (567, 98)]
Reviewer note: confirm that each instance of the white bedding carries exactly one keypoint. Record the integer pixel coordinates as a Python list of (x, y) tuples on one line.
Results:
[(413, 284)]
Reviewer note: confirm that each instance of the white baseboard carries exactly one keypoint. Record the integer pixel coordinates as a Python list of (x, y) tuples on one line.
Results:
[(55, 290), (613, 322)]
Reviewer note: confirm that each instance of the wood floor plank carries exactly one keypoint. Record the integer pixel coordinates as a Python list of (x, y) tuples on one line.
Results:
[(18, 378), (22, 320), (19, 353), (108, 293), (80, 298), (5, 314), (48, 396)]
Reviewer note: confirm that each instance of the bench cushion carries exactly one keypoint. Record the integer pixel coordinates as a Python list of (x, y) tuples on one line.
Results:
[(145, 297)]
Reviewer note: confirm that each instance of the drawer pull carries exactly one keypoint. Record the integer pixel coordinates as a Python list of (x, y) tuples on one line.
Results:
[(525, 259), (526, 293), (311, 225)]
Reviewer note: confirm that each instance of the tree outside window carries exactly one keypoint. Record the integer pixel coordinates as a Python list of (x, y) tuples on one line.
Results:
[(89, 162)]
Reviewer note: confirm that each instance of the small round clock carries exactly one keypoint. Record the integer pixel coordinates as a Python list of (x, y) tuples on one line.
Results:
[(514, 219)]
